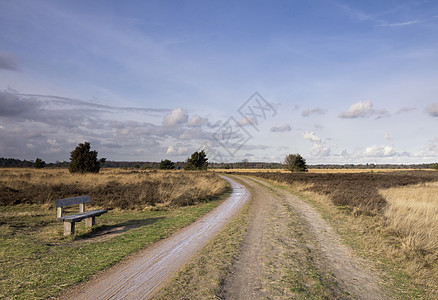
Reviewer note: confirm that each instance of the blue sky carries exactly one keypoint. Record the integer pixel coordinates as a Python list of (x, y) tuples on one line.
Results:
[(337, 81)]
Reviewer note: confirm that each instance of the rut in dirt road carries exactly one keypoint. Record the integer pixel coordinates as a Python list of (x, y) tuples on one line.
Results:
[(143, 274), (290, 252)]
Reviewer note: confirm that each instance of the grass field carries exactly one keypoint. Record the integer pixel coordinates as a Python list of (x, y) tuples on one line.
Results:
[(37, 261)]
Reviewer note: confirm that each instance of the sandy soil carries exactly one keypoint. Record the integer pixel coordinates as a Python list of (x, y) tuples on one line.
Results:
[(139, 277), (290, 252)]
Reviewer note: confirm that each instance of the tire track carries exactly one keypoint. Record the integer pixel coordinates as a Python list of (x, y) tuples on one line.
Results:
[(294, 254)]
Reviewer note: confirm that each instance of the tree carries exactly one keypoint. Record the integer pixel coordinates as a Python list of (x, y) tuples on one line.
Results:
[(83, 160), (167, 165), (434, 166), (198, 161), (39, 163), (295, 163)]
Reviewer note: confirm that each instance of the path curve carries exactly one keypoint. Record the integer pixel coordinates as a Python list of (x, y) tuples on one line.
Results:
[(140, 277), (289, 249)]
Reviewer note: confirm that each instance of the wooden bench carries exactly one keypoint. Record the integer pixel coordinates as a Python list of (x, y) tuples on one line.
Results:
[(70, 220)]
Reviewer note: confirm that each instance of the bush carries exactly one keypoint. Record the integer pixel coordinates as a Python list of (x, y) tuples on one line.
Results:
[(83, 160), (434, 166), (167, 165), (39, 163), (198, 161), (295, 163)]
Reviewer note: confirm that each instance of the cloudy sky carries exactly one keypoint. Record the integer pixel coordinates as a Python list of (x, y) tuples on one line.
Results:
[(337, 81)]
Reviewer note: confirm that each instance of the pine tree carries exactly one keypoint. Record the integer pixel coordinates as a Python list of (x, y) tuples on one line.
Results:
[(198, 161), (83, 160)]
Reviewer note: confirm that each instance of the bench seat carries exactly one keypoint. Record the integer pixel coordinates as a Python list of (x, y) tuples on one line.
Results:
[(84, 215)]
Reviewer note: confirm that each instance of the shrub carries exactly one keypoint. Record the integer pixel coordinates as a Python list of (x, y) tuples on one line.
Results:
[(198, 161), (167, 165), (83, 160), (39, 163), (295, 163)]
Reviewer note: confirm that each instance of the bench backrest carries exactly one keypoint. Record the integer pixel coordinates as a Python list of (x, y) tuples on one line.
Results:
[(81, 200), (72, 201)]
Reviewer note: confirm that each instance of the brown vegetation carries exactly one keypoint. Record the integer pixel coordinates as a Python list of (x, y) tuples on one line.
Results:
[(391, 217), (412, 212), (120, 189), (358, 191)]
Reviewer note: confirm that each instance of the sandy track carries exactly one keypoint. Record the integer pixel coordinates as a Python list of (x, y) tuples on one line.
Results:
[(290, 252), (139, 277)]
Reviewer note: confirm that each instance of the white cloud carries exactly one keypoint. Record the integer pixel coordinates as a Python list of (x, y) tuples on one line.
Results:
[(175, 150), (359, 109), (309, 112), (319, 146), (310, 136), (362, 109), (193, 133), (407, 23), (429, 150), (379, 151), (248, 121), (433, 109), (281, 128), (176, 117), (405, 109), (197, 121), (388, 137)]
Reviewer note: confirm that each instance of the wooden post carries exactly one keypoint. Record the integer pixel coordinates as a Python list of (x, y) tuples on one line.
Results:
[(89, 222), (69, 228), (59, 211), (81, 207)]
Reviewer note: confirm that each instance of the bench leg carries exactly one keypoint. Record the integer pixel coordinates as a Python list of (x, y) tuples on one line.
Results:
[(89, 222), (69, 228)]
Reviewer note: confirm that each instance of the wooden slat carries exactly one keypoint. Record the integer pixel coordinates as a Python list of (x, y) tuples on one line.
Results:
[(72, 201), (80, 216)]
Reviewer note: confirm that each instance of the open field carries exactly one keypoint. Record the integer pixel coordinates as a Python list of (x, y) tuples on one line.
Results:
[(388, 217), (348, 171), (111, 188), (37, 261), (356, 191)]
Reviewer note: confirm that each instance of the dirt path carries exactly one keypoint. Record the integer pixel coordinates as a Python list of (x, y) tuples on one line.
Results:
[(140, 277), (290, 252)]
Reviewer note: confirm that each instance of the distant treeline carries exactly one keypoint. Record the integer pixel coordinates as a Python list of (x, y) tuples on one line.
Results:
[(17, 163), (264, 165)]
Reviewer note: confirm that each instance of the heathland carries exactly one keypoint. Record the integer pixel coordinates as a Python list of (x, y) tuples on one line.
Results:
[(37, 261), (389, 218)]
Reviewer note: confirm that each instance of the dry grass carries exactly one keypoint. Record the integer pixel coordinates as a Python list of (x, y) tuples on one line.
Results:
[(318, 171), (402, 238), (112, 188), (412, 213), (358, 192)]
